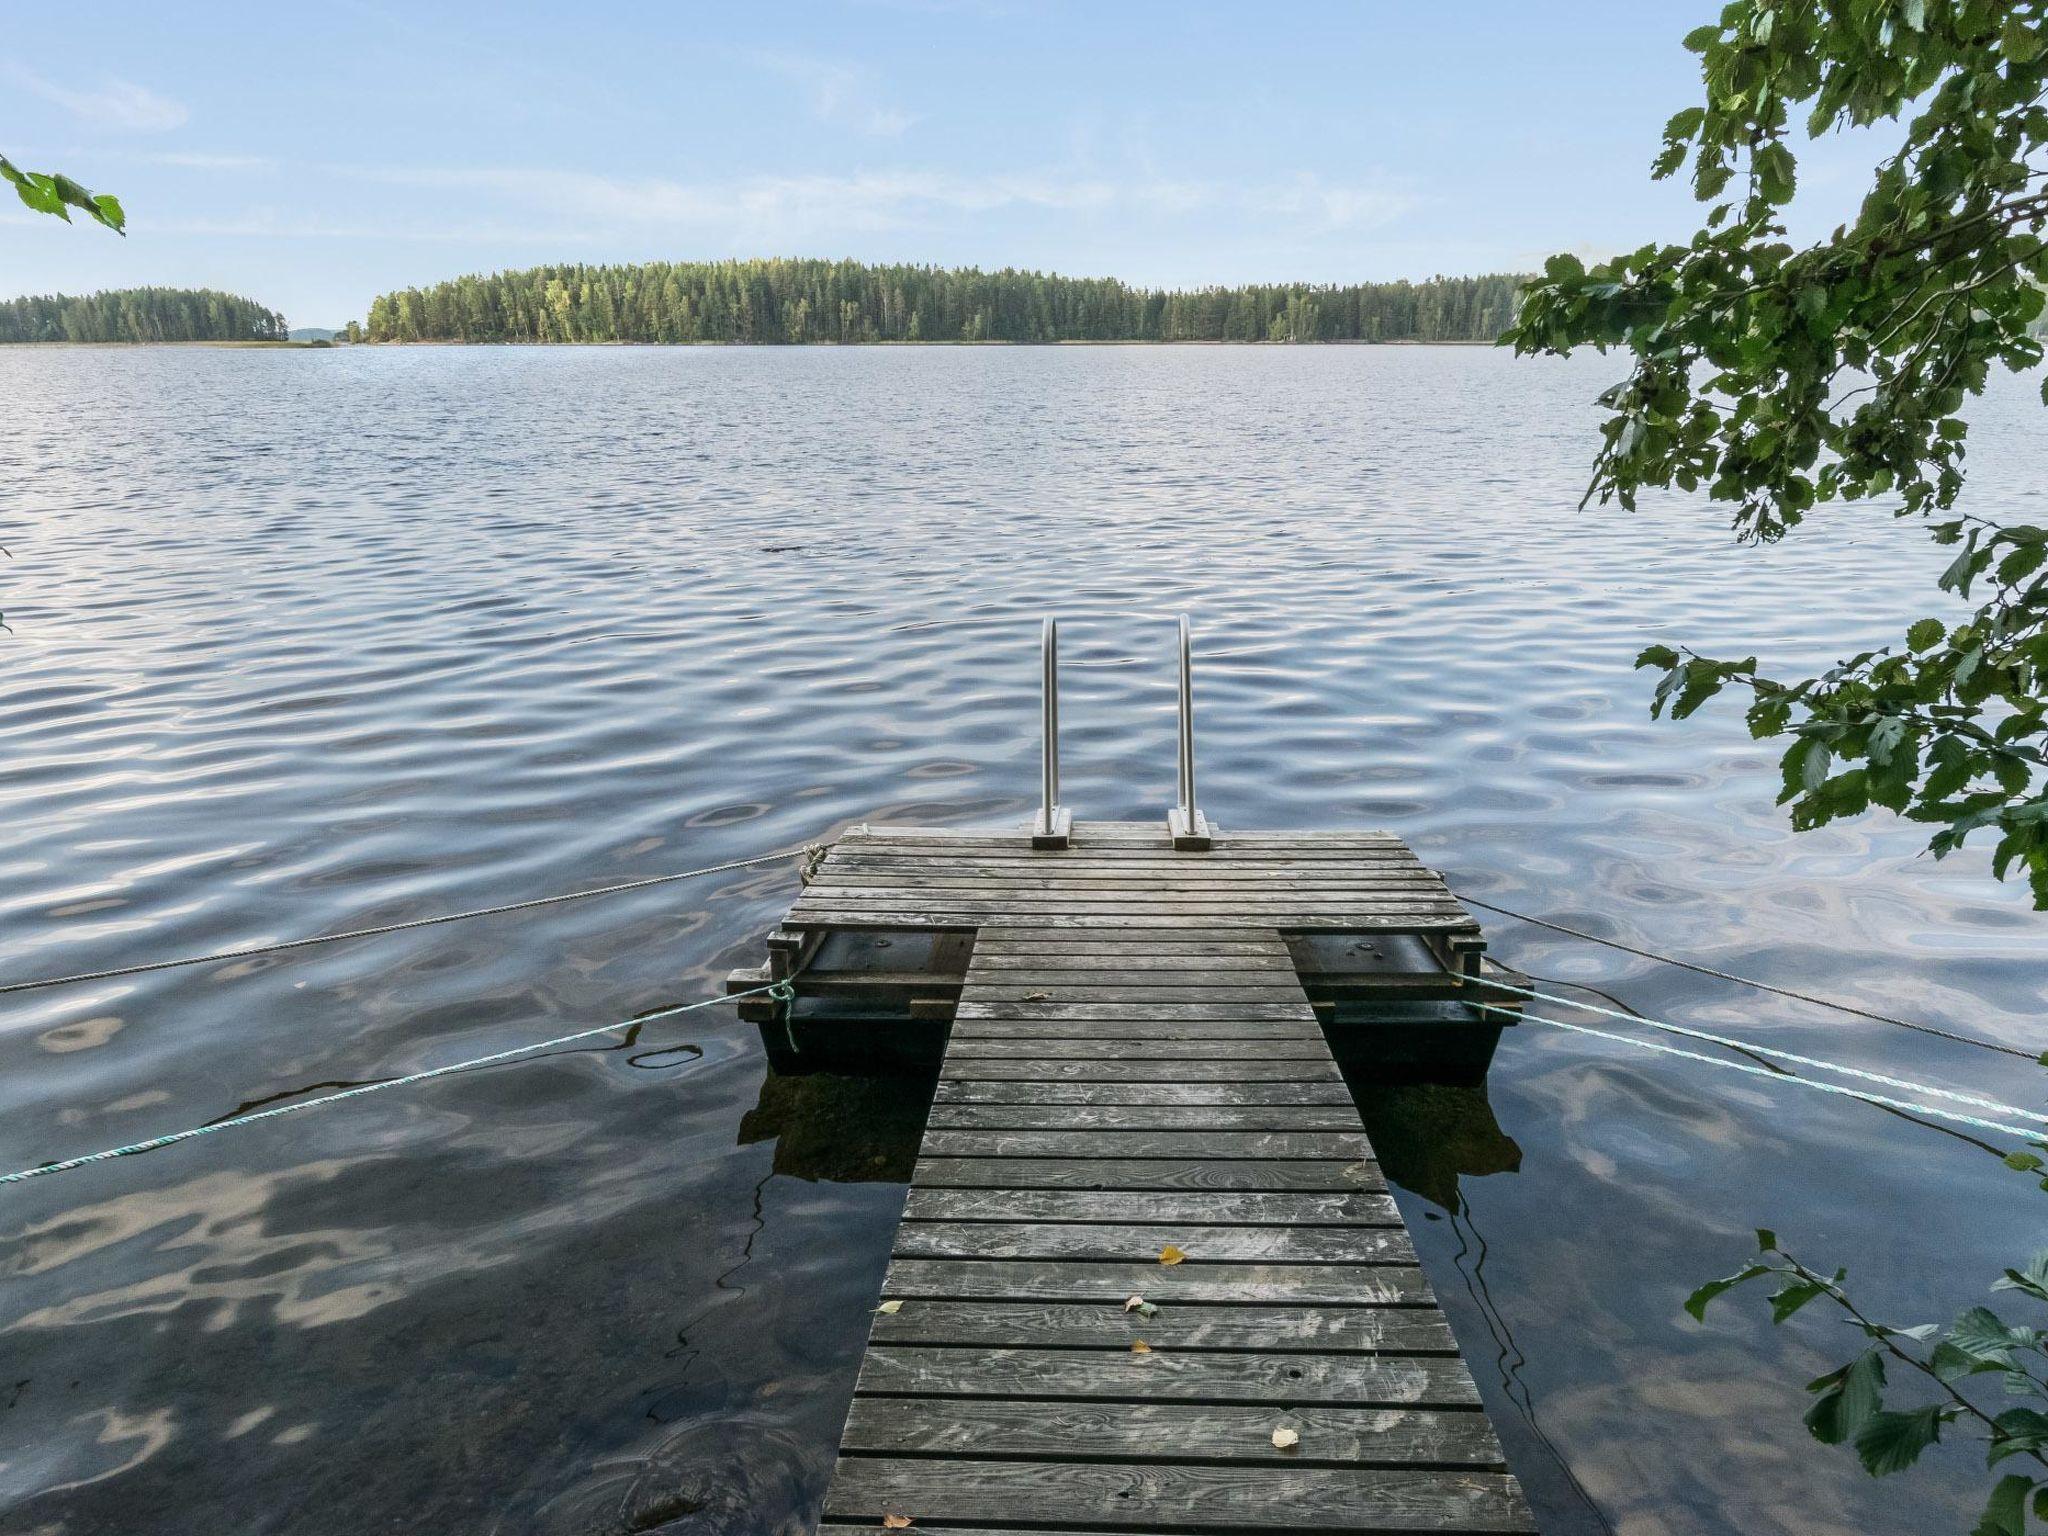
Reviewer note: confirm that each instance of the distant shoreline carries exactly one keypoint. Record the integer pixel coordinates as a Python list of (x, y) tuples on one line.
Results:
[(766, 346)]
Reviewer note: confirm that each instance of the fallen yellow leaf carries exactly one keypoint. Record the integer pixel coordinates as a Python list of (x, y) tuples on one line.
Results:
[(1140, 1347), (896, 1522), (1285, 1439), (1037, 997), (1170, 1255), (1132, 1303), (890, 1307)]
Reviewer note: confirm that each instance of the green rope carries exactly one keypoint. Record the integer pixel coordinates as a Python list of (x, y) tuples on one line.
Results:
[(781, 991)]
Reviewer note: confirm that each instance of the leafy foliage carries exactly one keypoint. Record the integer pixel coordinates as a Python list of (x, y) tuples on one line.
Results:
[(1779, 379), (845, 301), (141, 314), (1850, 1406), (53, 192)]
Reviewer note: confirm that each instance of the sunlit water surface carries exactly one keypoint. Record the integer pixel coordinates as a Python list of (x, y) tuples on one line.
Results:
[(309, 640)]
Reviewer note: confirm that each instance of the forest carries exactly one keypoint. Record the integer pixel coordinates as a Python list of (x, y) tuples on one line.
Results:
[(846, 301), (140, 314)]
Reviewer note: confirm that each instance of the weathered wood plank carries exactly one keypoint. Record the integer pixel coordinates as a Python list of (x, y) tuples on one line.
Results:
[(1182, 1326), (1287, 1055), (1210, 1207), (1124, 1090), (1348, 1145), (1047, 989), (1214, 1376), (1133, 1244), (1259, 962), (1230, 1013), (1252, 1035), (1126, 1117), (1305, 1285), (1294, 919), (1135, 1497), (996, 1427), (1328, 1174)]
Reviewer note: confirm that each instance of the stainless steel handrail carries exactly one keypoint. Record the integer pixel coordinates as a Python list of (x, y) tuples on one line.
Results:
[(1053, 825), (1190, 829), (1049, 773), (1187, 724)]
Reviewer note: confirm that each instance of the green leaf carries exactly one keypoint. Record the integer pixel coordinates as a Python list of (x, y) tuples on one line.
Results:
[(1699, 39), (1926, 634), (1847, 1399), (1891, 1441), (1698, 1301), (1791, 1298), (1657, 656), (2023, 1162), (2006, 1512), (1983, 1334)]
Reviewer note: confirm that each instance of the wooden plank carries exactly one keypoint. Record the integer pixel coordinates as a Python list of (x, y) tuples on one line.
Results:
[(1293, 1050), (1128, 1117), (1144, 1173), (1348, 1145), (1251, 1036), (877, 920), (1123, 1090), (1134, 1244), (1220, 899), (1210, 1376), (1209, 1207), (997, 961), (1112, 1069), (1329, 1436), (1305, 1285), (1135, 1497), (1182, 1326), (1234, 1013)]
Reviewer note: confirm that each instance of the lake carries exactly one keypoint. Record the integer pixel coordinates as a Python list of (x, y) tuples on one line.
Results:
[(306, 640)]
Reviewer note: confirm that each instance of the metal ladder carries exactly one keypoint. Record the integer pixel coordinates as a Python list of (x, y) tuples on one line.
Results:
[(1053, 826)]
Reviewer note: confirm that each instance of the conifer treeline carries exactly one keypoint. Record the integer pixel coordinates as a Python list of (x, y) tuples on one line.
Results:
[(140, 314), (845, 301)]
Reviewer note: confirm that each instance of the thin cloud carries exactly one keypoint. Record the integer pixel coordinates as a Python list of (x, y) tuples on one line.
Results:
[(840, 94), (198, 162), (784, 207), (118, 104)]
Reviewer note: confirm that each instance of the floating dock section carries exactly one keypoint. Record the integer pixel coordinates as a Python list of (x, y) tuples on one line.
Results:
[(1149, 1278)]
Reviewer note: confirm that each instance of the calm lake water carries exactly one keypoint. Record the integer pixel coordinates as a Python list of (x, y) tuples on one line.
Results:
[(309, 640)]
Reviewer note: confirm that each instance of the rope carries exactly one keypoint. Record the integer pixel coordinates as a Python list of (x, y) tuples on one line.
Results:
[(2025, 1134), (282, 946), (2030, 1134), (1748, 981), (780, 990), (1906, 1084)]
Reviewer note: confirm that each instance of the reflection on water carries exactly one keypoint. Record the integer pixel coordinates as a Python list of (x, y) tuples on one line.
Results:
[(1429, 1135), (305, 641), (827, 1126)]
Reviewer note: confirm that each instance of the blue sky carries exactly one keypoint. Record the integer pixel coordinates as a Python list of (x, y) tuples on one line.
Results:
[(314, 156)]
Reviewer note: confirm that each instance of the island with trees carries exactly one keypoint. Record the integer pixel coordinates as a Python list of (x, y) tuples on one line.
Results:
[(140, 315), (794, 301)]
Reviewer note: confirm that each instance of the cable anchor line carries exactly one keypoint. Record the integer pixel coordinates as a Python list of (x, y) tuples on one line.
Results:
[(782, 991), (252, 951)]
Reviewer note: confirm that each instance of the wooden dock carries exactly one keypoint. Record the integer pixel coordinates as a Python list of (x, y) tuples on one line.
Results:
[(1145, 1230)]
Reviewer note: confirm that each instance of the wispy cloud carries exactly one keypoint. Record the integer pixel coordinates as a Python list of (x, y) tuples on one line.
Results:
[(198, 162), (841, 93), (115, 104), (793, 207)]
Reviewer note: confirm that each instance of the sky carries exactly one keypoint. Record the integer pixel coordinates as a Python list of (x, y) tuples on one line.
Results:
[(312, 157)]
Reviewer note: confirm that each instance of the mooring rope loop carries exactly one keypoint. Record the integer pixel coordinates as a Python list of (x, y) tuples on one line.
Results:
[(2035, 1134), (782, 991), (1748, 981), (282, 946)]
